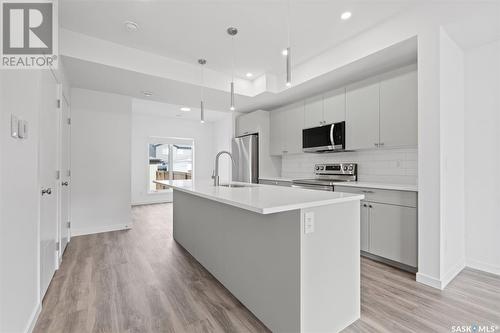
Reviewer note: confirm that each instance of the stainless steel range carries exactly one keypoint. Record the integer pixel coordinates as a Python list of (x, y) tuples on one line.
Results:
[(328, 175)]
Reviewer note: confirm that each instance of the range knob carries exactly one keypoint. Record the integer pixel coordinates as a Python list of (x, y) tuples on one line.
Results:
[(322, 168), (345, 167), (350, 167), (317, 167)]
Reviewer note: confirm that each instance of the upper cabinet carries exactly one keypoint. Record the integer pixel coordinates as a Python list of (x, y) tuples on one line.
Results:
[(362, 115), (248, 123), (286, 130), (334, 106), (313, 112), (382, 112), (399, 110), (326, 109)]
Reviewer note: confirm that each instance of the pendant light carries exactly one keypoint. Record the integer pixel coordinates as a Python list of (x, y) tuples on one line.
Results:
[(202, 62), (288, 51), (231, 31)]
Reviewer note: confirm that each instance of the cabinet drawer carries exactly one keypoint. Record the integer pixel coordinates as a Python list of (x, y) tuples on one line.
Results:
[(402, 198)]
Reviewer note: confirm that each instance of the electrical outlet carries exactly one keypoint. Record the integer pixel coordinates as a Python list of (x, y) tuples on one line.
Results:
[(309, 222)]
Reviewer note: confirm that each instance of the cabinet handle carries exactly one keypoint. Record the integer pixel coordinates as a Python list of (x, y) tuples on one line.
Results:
[(381, 144), (364, 205), (285, 151), (376, 144), (47, 191), (370, 206), (365, 191)]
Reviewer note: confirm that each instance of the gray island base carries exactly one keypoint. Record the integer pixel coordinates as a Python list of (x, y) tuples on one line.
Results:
[(294, 276)]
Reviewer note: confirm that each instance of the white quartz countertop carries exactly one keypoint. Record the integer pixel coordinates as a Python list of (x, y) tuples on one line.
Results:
[(259, 198)]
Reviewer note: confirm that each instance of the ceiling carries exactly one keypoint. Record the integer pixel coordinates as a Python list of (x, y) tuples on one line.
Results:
[(189, 29)]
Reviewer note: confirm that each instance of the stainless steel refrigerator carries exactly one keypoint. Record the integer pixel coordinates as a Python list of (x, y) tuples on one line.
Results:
[(245, 150)]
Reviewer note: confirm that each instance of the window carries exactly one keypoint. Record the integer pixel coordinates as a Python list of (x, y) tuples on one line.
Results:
[(169, 159)]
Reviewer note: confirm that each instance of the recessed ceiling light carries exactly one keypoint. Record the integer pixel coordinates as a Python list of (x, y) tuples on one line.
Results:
[(346, 15), (131, 26), (249, 74), (284, 52), (185, 109), (147, 93)]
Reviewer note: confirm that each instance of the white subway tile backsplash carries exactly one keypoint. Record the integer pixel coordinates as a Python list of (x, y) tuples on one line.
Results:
[(385, 165)]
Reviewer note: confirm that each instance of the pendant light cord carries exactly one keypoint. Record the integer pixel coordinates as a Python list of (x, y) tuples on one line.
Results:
[(288, 22)]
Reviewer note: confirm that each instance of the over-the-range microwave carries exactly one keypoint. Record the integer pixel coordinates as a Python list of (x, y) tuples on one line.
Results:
[(322, 139)]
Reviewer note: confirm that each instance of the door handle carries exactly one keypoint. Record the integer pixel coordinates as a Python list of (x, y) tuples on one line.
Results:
[(64, 183), (47, 191)]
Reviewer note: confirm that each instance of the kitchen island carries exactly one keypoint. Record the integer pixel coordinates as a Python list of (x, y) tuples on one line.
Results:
[(291, 256)]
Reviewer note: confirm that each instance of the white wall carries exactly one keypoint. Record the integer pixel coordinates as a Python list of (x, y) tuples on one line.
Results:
[(223, 133), (100, 161), (19, 202), (452, 158), (398, 166), (482, 157), (146, 125)]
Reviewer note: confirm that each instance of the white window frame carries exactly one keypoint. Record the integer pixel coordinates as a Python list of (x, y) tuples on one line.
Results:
[(167, 141)]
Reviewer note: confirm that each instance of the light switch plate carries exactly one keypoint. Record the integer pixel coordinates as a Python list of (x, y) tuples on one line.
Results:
[(309, 222), (14, 126), (23, 129)]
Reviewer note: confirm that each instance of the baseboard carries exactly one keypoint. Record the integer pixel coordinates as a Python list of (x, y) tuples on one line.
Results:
[(429, 281), (98, 230), (452, 273), (34, 318), (488, 268), (151, 202)]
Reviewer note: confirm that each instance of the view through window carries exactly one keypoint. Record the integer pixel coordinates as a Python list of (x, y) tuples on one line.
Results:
[(169, 161)]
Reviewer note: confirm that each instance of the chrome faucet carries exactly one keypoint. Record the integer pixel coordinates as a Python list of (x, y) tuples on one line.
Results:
[(215, 175)]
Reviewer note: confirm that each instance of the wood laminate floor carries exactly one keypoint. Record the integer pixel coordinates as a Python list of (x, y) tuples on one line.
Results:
[(140, 280)]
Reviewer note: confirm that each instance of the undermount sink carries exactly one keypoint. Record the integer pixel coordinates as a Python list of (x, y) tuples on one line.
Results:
[(234, 185)]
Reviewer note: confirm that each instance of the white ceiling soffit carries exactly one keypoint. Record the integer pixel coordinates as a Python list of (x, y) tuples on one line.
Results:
[(96, 76), (480, 26), (152, 108)]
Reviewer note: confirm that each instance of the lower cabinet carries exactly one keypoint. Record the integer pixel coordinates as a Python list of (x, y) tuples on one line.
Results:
[(389, 226), (393, 232)]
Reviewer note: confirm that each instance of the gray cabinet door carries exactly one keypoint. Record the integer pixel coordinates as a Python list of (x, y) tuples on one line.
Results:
[(313, 112), (362, 116), (365, 227), (393, 232), (398, 110)]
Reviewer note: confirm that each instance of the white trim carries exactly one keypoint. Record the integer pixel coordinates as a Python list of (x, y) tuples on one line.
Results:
[(97, 230), (152, 202), (482, 266), (429, 281), (452, 273), (34, 318)]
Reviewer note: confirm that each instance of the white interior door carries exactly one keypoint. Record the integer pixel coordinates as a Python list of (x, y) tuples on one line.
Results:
[(64, 203), (49, 116)]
